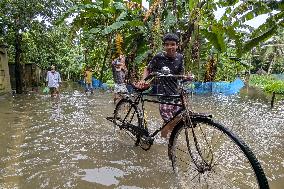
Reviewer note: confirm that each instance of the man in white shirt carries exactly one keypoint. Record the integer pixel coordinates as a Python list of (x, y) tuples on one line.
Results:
[(53, 80)]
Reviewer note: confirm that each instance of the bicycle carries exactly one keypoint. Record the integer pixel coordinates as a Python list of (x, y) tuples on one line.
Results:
[(199, 147)]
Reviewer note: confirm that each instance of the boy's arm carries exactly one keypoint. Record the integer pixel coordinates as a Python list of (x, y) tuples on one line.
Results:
[(59, 78), (182, 70), (145, 73), (46, 79)]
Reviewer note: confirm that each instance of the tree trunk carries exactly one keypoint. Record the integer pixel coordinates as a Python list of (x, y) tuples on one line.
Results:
[(270, 66), (185, 38), (18, 66), (104, 61)]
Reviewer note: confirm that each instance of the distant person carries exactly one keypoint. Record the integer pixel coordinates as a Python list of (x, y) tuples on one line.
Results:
[(88, 80), (53, 81), (119, 73)]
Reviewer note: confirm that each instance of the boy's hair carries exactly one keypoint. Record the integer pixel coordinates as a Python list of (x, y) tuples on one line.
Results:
[(170, 37)]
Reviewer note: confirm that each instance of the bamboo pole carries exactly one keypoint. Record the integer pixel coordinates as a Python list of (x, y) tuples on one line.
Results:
[(272, 100)]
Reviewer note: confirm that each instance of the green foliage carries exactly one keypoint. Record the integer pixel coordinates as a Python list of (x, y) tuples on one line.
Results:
[(39, 41), (110, 83), (261, 81), (95, 22), (228, 68), (216, 38), (268, 83), (276, 87)]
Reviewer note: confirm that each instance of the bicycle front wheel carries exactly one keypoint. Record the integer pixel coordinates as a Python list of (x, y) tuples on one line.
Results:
[(205, 154), (127, 118)]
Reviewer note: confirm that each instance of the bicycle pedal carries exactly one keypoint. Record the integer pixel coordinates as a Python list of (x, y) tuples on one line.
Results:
[(147, 140)]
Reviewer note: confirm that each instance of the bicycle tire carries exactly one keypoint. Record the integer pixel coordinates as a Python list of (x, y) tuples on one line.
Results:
[(121, 119), (200, 164)]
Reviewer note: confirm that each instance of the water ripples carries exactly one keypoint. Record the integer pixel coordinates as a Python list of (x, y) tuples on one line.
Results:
[(68, 143)]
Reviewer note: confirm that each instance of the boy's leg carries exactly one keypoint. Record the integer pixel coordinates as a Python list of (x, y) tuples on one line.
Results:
[(167, 112), (86, 87), (169, 127), (115, 98), (121, 89), (115, 91), (51, 91), (91, 88), (55, 92)]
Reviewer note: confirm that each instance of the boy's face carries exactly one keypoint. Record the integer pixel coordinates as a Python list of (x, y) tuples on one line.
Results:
[(170, 48), (52, 69)]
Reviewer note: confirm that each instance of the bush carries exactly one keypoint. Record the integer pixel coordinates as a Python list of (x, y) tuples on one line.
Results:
[(268, 83), (277, 87), (261, 80), (110, 83)]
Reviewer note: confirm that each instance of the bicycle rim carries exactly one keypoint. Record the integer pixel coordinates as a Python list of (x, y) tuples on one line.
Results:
[(126, 113), (208, 155)]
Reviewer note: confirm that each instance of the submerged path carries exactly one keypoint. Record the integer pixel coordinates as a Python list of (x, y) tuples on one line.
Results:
[(68, 143)]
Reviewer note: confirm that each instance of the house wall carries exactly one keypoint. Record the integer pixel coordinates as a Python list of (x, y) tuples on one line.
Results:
[(32, 75), (5, 85)]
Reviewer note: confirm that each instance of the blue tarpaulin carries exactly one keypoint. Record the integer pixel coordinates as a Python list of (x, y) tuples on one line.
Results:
[(97, 84), (278, 76), (226, 88)]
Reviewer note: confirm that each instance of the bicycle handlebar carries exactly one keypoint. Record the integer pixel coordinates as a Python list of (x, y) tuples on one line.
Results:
[(141, 86), (159, 74)]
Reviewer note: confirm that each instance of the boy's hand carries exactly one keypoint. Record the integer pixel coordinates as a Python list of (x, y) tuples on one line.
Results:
[(141, 85), (189, 77)]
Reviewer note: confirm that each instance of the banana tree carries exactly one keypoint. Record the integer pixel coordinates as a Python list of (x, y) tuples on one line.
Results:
[(273, 52), (232, 31), (102, 20), (193, 20), (244, 37)]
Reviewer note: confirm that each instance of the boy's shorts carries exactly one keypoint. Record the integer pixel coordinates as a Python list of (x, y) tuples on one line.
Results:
[(53, 90), (168, 111)]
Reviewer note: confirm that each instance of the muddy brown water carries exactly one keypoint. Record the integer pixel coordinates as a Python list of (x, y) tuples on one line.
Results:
[(68, 143)]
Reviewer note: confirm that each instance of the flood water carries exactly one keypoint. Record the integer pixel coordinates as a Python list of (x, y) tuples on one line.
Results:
[(68, 143)]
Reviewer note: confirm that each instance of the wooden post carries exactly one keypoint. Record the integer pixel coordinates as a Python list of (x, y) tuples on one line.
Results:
[(272, 99)]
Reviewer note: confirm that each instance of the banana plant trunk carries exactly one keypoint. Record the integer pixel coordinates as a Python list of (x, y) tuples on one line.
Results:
[(271, 66), (132, 74)]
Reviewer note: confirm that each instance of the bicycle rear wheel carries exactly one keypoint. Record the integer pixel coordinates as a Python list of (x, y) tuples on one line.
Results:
[(208, 155), (127, 121)]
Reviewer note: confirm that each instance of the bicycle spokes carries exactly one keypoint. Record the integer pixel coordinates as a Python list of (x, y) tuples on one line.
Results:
[(206, 154)]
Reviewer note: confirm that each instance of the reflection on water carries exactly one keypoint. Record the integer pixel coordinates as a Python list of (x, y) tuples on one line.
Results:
[(105, 176), (67, 143)]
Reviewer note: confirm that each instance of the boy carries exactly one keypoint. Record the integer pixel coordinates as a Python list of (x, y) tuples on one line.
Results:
[(88, 80), (119, 73), (174, 61), (53, 80)]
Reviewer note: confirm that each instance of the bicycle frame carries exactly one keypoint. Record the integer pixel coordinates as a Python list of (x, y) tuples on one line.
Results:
[(183, 111), (190, 123), (141, 98)]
